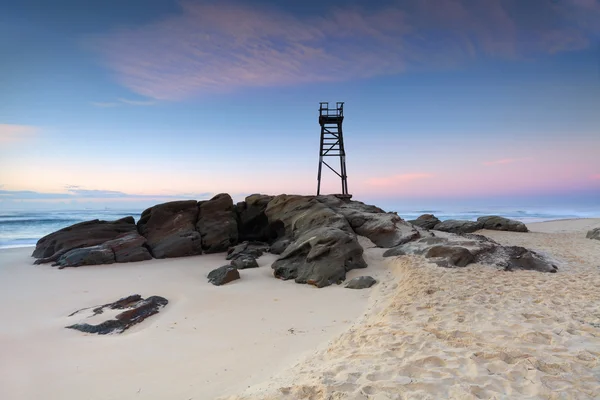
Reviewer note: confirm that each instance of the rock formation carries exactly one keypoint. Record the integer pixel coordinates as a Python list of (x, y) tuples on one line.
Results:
[(361, 282), (593, 234), (135, 310), (314, 236), (170, 229), (497, 223), (85, 234)]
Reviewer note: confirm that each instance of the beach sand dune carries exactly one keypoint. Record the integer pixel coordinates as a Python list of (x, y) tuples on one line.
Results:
[(469, 333)]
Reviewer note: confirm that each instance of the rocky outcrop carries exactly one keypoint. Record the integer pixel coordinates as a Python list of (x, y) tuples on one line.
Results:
[(450, 250), (127, 247), (458, 226), (170, 229), (426, 221), (361, 282), (593, 234), (383, 229), (497, 223), (85, 234), (222, 275), (135, 310), (217, 224), (323, 246)]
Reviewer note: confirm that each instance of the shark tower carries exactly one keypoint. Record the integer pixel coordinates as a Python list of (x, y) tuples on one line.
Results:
[(332, 143)]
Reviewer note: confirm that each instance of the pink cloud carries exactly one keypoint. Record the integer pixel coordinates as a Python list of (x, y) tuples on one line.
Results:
[(595, 177), (398, 179), (212, 47), (16, 133)]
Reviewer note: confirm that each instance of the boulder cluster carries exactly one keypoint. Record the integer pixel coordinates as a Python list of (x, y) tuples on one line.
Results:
[(314, 236)]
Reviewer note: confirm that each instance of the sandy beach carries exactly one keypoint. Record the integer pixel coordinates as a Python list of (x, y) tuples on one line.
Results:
[(423, 332)]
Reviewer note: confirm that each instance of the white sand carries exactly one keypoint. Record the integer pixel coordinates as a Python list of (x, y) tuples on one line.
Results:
[(426, 333), (207, 341), (468, 333)]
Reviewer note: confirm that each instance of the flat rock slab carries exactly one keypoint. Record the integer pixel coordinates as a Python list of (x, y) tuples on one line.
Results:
[(361, 282), (133, 310), (497, 223)]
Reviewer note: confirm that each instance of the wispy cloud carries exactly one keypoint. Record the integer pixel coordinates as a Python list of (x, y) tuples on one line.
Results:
[(505, 161), (16, 133), (221, 46), (124, 102), (398, 179), (595, 177)]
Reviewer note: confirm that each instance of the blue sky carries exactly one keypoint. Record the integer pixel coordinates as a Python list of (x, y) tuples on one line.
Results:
[(446, 100)]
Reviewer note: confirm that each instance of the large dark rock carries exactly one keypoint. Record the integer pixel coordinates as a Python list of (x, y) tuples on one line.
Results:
[(126, 247), (85, 234), (222, 275), (217, 224), (593, 234), (136, 309), (383, 229), (253, 224), (458, 226), (324, 246), (280, 245), (426, 221), (497, 223), (170, 229), (361, 282), (454, 256)]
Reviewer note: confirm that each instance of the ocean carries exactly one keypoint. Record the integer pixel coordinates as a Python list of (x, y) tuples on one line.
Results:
[(25, 228)]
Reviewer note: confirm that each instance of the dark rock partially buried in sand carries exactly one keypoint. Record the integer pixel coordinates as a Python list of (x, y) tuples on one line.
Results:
[(135, 310), (222, 275), (453, 256), (593, 234), (497, 223), (84, 234), (247, 249), (361, 282)]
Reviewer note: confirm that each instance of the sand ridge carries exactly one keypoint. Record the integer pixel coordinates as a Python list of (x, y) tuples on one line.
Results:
[(470, 333)]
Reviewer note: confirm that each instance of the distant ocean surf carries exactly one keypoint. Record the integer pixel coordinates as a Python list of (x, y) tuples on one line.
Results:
[(25, 228)]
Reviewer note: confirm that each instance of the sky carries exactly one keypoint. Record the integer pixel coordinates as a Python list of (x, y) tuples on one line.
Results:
[(128, 103)]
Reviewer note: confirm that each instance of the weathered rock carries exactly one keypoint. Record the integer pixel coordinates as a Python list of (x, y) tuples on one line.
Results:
[(593, 234), (136, 309), (129, 247), (244, 262), (280, 245), (170, 229), (253, 224), (247, 249), (426, 221), (383, 229), (217, 224), (458, 226), (497, 223), (361, 282), (324, 246), (454, 256), (93, 255), (222, 275), (452, 250), (84, 234)]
